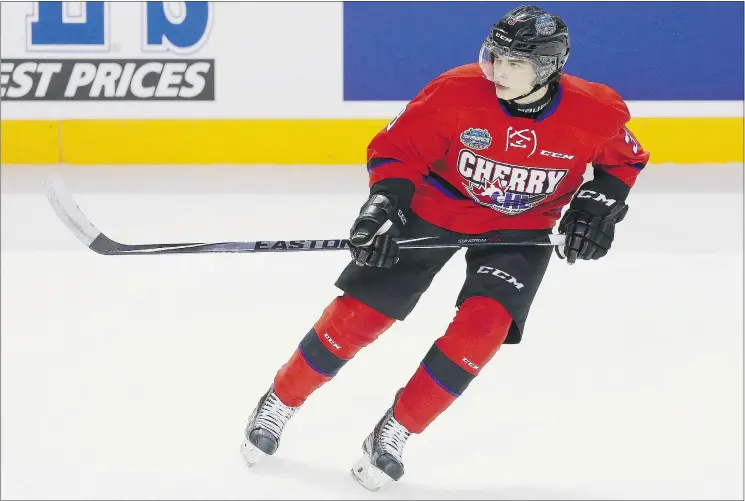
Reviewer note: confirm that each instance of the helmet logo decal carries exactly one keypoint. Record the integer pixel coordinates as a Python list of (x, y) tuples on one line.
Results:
[(545, 26), (499, 35)]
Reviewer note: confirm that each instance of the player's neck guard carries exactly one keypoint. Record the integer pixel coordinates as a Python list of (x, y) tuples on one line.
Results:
[(531, 110)]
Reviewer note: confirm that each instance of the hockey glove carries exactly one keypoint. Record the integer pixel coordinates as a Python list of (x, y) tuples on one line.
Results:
[(381, 218), (589, 223)]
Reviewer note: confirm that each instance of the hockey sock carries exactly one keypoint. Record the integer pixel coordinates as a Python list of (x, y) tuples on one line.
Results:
[(471, 340), (346, 326)]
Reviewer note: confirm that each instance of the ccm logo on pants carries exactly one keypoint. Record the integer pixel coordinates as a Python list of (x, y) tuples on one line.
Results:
[(504, 276)]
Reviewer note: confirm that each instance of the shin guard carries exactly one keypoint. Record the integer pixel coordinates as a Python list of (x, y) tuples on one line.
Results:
[(478, 330), (346, 326)]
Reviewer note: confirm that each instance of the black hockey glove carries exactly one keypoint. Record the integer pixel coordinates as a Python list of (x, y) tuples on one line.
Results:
[(382, 217), (589, 223)]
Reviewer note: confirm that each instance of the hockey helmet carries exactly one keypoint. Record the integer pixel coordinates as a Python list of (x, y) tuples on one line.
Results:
[(532, 34)]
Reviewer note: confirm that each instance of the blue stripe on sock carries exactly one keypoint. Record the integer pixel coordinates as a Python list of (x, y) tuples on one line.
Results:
[(439, 383), (310, 364)]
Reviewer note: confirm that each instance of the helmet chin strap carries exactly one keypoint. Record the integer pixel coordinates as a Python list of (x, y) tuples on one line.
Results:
[(553, 78), (535, 89)]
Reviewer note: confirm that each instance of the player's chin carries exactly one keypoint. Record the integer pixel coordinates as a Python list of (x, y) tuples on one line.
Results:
[(504, 92)]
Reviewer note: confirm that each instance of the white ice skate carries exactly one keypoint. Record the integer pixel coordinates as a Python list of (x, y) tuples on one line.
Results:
[(382, 454), (264, 427)]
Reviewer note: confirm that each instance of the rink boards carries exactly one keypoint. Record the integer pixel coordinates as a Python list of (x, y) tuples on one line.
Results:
[(302, 141), (224, 85)]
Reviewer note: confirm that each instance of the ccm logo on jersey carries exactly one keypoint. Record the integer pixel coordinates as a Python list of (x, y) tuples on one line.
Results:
[(553, 154), (509, 189), (501, 274), (598, 197)]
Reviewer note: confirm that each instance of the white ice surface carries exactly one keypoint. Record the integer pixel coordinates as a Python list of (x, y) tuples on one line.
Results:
[(132, 376)]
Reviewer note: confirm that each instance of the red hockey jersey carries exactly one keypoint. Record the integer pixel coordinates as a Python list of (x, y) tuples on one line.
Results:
[(476, 168)]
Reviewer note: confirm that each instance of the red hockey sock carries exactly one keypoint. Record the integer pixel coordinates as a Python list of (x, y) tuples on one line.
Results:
[(478, 330), (296, 380), (346, 326)]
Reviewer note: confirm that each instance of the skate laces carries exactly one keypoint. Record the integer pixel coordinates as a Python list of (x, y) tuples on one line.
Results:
[(393, 436), (273, 415)]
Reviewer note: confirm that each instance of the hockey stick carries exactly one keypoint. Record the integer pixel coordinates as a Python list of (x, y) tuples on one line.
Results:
[(71, 215)]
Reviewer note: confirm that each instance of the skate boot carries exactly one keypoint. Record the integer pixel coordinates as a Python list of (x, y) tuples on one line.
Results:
[(382, 453), (265, 426)]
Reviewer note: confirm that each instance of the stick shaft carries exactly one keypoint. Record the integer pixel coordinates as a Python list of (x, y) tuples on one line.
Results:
[(71, 215)]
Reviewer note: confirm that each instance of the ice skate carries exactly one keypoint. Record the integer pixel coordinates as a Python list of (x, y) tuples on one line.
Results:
[(265, 426), (382, 453)]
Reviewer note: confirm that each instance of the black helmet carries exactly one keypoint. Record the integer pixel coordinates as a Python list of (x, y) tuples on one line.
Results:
[(528, 32)]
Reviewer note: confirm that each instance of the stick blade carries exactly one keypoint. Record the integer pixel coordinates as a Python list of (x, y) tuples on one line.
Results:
[(68, 211)]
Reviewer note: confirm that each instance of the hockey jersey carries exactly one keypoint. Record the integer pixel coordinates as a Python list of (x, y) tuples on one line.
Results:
[(476, 168)]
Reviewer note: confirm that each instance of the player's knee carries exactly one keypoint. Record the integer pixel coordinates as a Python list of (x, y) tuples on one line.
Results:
[(353, 322), (478, 330), (346, 326)]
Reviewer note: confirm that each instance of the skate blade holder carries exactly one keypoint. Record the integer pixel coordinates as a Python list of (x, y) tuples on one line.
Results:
[(368, 475), (251, 453)]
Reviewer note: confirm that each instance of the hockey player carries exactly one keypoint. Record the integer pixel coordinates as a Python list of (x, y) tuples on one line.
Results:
[(497, 147)]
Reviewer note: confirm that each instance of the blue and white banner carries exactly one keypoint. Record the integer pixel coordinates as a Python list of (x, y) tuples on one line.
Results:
[(659, 51)]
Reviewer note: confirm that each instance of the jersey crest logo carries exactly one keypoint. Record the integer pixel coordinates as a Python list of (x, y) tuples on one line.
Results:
[(525, 139), (508, 189), (476, 139)]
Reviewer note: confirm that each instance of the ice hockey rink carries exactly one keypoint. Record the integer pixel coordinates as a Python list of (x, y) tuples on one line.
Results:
[(131, 377)]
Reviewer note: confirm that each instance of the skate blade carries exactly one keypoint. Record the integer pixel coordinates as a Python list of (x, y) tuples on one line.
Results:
[(368, 475), (251, 453)]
